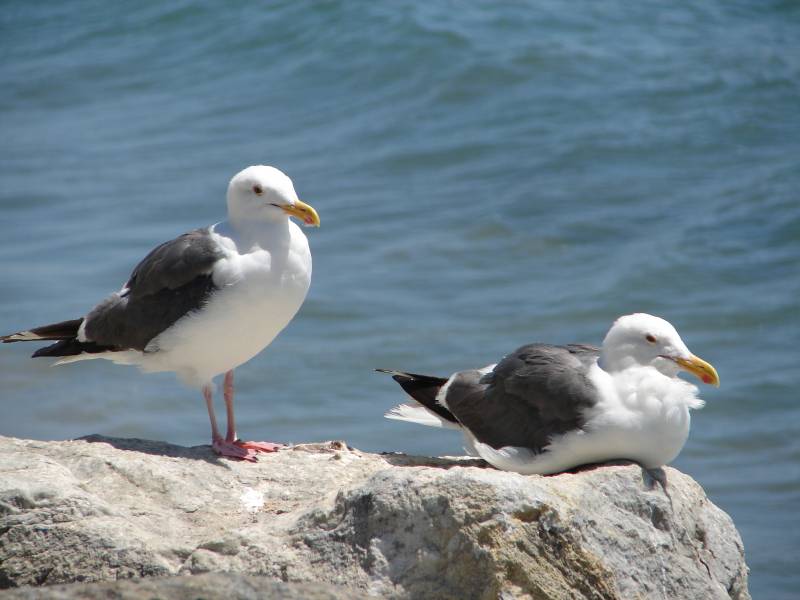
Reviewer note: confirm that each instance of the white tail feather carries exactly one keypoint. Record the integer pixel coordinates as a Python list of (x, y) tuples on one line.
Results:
[(419, 415), (22, 336), (122, 357), (75, 358)]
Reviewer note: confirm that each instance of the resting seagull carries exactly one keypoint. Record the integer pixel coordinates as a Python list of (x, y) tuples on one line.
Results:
[(545, 408), (206, 302)]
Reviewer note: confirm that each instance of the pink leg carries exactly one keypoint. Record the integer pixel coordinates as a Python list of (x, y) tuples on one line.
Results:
[(218, 444), (230, 437), (227, 392), (208, 394)]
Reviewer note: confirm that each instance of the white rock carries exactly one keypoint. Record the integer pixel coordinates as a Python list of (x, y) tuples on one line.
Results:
[(391, 525)]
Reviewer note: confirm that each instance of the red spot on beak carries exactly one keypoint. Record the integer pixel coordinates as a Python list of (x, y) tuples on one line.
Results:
[(707, 379)]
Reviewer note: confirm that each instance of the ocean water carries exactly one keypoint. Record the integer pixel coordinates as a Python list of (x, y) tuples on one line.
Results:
[(487, 174)]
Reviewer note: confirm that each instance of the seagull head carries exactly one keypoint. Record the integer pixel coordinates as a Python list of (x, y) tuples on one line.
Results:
[(262, 193), (644, 340)]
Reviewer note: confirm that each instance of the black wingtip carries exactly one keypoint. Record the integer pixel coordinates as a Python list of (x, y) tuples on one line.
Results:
[(406, 376), (71, 348), (63, 330)]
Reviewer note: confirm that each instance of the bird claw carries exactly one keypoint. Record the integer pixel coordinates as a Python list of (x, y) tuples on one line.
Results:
[(653, 477), (243, 450), (259, 446), (233, 450)]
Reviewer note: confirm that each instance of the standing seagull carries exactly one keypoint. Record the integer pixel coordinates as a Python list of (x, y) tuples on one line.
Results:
[(545, 409), (206, 302)]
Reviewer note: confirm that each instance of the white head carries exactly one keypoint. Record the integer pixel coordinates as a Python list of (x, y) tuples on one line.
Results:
[(262, 193), (644, 340)]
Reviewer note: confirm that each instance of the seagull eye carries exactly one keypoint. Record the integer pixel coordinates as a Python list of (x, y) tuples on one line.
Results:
[(258, 189), (650, 338)]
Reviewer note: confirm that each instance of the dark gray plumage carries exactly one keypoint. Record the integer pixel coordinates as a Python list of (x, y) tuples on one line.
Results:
[(173, 280), (534, 393)]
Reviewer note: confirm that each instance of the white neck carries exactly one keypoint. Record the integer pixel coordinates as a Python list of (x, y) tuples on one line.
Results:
[(248, 233), (615, 361)]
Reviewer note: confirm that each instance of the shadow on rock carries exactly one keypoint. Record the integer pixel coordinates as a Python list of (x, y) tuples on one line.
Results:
[(398, 459), (157, 448)]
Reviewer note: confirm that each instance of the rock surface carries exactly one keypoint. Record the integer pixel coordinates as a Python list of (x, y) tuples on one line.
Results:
[(227, 586), (104, 509)]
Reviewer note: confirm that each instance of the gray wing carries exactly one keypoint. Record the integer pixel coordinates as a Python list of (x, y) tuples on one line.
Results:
[(172, 281), (534, 393)]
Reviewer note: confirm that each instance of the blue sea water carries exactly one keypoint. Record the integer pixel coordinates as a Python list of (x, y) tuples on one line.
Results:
[(487, 174)]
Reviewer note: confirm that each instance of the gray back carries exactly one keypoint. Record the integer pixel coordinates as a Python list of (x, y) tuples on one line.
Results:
[(173, 280), (537, 391)]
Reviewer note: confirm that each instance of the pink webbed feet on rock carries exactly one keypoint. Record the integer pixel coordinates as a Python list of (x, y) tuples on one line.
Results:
[(233, 450), (259, 446), (243, 450), (230, 446)]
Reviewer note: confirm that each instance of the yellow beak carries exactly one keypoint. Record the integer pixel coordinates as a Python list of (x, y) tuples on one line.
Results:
[(697, 366), (304, 212)]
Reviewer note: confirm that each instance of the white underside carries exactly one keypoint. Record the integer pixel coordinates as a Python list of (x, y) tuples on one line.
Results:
[(642, 416), (262, 282)]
